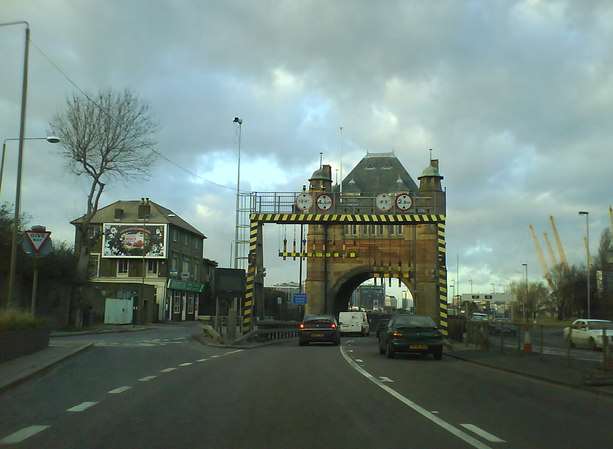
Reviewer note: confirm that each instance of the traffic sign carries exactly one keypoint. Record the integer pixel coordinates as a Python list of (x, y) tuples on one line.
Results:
[(299, 299), (37, 238)]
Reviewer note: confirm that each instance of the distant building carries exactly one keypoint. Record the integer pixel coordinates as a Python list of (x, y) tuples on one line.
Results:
[(495, 298), (289, 288), (368, 297)]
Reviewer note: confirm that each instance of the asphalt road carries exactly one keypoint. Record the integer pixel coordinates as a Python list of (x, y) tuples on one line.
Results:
[(287, 396)]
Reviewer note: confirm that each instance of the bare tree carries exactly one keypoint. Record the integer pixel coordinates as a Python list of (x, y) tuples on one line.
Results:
[(105, 137)]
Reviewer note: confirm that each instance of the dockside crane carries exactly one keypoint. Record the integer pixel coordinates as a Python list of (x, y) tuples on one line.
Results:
[(541, 256), (556, 235), (552, 256)]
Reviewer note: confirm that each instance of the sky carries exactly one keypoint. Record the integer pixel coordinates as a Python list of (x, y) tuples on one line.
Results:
[(514, 97)]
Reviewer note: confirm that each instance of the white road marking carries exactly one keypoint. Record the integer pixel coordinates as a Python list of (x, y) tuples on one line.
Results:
[(434, 411), (146, 378), (167, 370), (82, 406), (201, 360), (422, 411), (214, 356), (349, 350), (185, 364), (385, 379), (235, 351), (22, 434), (119, 390), (483, 434), (359, 360), (179, 338)]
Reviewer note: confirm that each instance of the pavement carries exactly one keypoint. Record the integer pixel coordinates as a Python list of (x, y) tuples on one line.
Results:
[(104, 329), (186, 395)]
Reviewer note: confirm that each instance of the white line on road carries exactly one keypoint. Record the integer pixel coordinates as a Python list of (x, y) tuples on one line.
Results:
[(385, 379), (482, 433), (146, 378), (22, 434), (349, 350), (234, 352), (167, 370), (434, 411), (422, 411), (81, 407), (214, 356), (119, 390), (185, 364), (201, 360), (359, 360)]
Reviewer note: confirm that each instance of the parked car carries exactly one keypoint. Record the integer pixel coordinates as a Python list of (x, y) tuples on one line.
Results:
[(479, 317), (411, 334), (354, 322), (319, 328), (502, 326), (588, 333)]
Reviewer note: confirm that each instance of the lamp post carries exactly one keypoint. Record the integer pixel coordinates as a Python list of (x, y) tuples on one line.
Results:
[(587, 256), (22, 130), (238, 121), (525, 265), (13, 261)]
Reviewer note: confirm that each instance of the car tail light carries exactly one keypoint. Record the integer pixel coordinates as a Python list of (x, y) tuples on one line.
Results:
[(301, 325), (333, 325), (396, 334)]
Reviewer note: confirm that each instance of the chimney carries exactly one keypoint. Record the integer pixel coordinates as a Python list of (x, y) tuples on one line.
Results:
[(144, 208)]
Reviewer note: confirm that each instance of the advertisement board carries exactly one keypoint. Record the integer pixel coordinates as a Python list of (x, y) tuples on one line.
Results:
[(129, 240)]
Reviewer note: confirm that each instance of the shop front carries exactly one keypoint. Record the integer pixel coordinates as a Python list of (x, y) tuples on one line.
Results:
[(182, 300)]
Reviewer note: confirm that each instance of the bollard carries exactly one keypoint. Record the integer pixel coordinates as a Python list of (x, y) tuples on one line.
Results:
[(541, 345), (568, 345), (501, 338), (527, 340), (605, 350), (519, 337)]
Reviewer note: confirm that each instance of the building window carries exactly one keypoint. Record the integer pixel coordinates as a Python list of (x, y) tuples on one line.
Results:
[(152, 267), (399, 229), (123, 266), (185, 267), (365, 229), (190, 303), (390, 229), (174, 234), (93, 266), (379, 229), (372, 229), (196, 240), (176, 302), (354, 229), (174, 263), (186, 238), (196, 271)]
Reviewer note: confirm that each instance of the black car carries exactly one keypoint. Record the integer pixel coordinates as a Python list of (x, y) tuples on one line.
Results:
[(319, 328), (411, 334)]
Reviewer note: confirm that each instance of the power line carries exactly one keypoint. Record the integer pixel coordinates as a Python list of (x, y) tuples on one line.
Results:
[(85, 94)]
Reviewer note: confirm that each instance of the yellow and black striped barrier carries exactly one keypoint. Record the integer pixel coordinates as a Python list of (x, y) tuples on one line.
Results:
[(347, 218), (333, 254), (442, 281)]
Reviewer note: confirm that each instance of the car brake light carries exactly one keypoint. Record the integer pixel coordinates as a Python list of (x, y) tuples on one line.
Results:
[(333, 325), (301, 325), (396, 334)]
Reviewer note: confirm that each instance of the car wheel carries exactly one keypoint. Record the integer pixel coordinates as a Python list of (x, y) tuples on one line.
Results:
[(438, 354), (389, 351), (593, 344)]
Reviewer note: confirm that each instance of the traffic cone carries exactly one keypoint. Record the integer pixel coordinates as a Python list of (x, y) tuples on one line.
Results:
[(527, 340)]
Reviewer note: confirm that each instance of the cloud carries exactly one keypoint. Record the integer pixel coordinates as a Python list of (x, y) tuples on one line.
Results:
[(515, 98)]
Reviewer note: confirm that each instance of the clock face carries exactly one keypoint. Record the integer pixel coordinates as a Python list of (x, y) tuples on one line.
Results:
[(304, 201), (404, 201), (324, 202), (384, 202)]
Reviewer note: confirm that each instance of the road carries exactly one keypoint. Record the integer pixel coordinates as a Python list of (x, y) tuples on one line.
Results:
[(185, 395)]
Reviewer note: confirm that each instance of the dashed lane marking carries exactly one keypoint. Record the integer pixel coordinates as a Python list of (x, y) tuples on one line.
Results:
[(22, 434), (81, 407), (215, 356), (234, 352), (185, 364), (483, 434), (417, 408), (146, 378), (201, 360), (359, 360), (167, 370), (119, 390), (385, 379), (434, 411)]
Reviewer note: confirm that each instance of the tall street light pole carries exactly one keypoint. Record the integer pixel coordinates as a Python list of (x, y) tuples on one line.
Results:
[(587, 256), (22, 130), (525, 265), (238, 121)]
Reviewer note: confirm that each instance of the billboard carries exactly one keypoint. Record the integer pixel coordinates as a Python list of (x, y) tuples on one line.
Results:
[(131, 240)]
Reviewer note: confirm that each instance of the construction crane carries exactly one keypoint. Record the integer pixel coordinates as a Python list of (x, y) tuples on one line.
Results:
[(541, 256), (552, 256), (556, 235)]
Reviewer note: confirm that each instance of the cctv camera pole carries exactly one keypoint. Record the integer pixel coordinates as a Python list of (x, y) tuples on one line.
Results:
[(22, 128)]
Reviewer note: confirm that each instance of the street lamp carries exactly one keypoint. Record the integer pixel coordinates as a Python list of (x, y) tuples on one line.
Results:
[(525, 265), (587, 255), (50, 139), (239, 122)]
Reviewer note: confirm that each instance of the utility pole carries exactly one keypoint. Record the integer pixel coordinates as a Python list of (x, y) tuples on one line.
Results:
[(587, 257), (238, 121), (525, 265)]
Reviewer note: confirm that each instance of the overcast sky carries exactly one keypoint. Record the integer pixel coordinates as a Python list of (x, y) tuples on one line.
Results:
[(515, 98)]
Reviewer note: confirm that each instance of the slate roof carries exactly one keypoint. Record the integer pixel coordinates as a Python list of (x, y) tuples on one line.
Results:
[(159, 214), (379, 173)]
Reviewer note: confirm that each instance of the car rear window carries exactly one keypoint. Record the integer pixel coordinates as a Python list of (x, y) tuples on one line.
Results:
[(318, 319), (414, 321)]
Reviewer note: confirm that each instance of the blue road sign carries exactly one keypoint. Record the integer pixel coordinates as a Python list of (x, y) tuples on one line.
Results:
[(299, 299)]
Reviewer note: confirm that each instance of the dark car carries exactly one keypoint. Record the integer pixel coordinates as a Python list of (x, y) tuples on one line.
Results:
[(502, 326), (319, 328), (411, 334)]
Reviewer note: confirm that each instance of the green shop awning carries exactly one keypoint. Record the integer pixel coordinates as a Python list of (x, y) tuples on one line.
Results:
[(186, 286)]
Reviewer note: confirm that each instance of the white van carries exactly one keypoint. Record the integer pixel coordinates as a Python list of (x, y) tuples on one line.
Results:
[(354, 322)]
